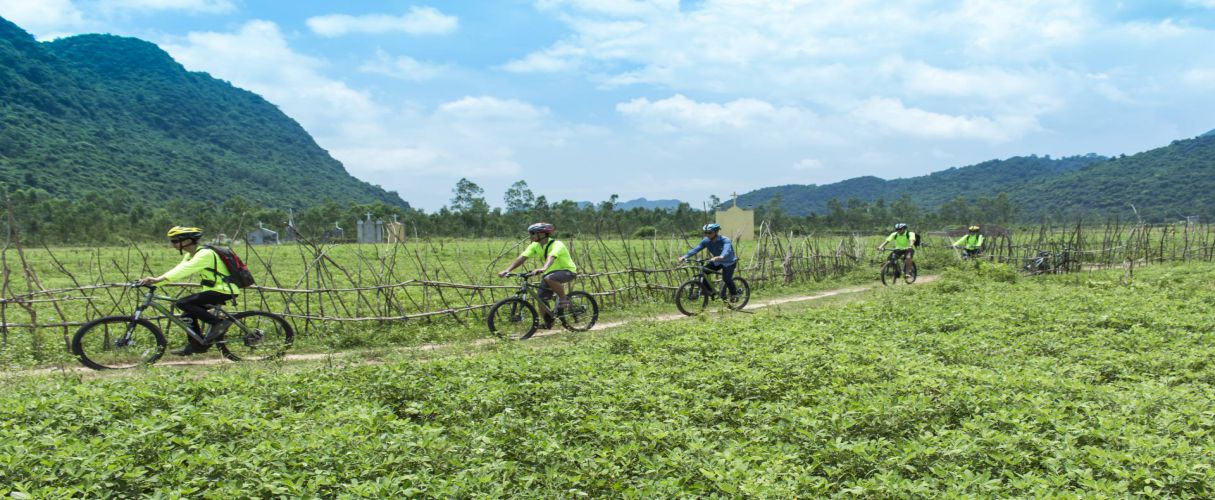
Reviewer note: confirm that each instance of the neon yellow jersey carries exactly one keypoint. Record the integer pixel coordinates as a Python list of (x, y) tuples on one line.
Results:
[(972, 241), (201, 264), (561, 256), (901, 242)]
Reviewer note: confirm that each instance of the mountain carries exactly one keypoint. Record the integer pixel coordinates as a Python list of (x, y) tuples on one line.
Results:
[(1163, 184), (928, 191), (98, 113), (648, 204)]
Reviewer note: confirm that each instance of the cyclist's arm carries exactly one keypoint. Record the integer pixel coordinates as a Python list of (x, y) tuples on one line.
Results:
[(727, 251), (515, 263), (960, 240), (699, 246), (888, 238), (547, 264), (201, 261)]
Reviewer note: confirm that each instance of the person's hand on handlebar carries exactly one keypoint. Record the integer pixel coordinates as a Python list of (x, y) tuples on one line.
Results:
[(150, 280), (716, 259), (682, 258)]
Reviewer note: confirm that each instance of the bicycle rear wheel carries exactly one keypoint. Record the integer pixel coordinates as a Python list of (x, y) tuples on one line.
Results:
[(118, 342), (910, 275), (691, 299), (513, 319), (266, 336), (739, 301), (890, 273), (581, 314)]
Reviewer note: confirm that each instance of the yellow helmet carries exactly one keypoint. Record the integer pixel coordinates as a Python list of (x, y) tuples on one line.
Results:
[(973, 228), (178, 233)]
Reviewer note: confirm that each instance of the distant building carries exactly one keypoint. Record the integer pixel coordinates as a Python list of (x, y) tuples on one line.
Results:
[(262, 236), (369, 231), (335, 233), (737, 223), (292, 234), (395, 231)]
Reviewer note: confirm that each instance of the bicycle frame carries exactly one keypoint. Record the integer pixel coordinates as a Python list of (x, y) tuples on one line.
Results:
[(528, 289), (706, 282), (155, 302)]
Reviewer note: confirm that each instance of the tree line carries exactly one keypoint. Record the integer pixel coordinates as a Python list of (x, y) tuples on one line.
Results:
[(117, 216)]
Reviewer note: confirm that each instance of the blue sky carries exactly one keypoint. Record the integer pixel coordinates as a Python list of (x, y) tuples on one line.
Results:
[(664, 99)]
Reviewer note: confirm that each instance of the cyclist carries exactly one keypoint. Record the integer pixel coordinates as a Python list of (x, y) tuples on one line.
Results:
[(204, 263), (722, 252), (558, 267), (904, 245), (971, 242)]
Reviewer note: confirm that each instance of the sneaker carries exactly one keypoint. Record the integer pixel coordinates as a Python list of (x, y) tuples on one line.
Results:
[(548, 322), (188, 350), (217, 330)]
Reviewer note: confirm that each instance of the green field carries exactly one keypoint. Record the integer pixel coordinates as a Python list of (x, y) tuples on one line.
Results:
[(982, 383)]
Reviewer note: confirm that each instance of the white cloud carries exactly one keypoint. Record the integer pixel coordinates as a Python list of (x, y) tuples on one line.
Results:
[(403, 68), (893, 115), (678, 113), (808, 164), (419, 21), (199, 6), (44, 18)]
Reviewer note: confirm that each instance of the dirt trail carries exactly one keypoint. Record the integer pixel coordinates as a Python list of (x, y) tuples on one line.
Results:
[(541, 334)]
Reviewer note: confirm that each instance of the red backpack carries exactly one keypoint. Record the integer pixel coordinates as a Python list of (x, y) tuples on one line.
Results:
[(238, 272)]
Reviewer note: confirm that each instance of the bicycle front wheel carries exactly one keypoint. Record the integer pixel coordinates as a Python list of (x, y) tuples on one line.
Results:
[(265, 336), (513, 319), (118, 342), (910, 275), (890, 273), (581, 314), (691, 298), (736, 302)]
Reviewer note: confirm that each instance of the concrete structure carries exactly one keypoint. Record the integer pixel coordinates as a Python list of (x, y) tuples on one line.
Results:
[(262, 236), (369, 231), (292, 233), (395, 231), (335, 233), (737, 223)]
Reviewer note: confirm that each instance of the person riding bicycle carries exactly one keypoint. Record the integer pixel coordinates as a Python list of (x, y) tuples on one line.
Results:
[(558, 267), (971, 242), (204, 263), (904, 245), (722, 251)]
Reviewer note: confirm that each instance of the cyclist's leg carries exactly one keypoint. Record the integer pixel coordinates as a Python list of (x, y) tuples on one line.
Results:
[(556, 281), (908, 260), (727, 275), (197, 307)]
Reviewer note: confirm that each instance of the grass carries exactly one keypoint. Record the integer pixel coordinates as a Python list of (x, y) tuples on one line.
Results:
[(980, 384)]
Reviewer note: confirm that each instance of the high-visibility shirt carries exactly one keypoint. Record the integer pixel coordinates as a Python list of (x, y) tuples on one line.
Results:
[(205, 263), (901, 241), (973, 241), (557, 250)]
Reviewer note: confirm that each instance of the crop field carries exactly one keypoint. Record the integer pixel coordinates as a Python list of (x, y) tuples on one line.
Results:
[(981, 383)]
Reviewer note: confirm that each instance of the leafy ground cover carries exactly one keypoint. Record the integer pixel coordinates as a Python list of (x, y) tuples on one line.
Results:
[(982, 383)]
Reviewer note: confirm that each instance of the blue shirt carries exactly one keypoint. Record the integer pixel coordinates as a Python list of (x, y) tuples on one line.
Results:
[(720, 246)]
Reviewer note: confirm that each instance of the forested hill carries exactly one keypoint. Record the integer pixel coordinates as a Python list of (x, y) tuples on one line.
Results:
[(1163, 184), (985, 179), (101, 113)]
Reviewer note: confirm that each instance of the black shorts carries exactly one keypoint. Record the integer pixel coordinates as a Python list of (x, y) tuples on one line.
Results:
[(906, 252), (561, 276)]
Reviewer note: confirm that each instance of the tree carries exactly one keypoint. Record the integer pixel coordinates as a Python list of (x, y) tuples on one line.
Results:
[(468, 196), (519, 198)]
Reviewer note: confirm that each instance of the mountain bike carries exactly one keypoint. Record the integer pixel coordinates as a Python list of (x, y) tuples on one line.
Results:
[(892, 270), (693, 295), (515, 318), (1047, 263), (119, 342)]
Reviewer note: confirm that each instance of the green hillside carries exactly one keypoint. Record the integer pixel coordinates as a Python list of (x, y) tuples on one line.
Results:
[(985, 179), (99, 113)]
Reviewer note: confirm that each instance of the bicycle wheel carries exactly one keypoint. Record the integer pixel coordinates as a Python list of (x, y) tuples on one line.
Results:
[(582, 312), (691, 299), (266, 336), (744, 294), (910, 275), (513, 319), (890, 273), (104, 343)]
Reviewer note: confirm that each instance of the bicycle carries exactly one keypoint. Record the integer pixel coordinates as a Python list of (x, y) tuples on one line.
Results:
[(515, 318), (122, 342), (693, 295), (1047, 263), (892, 270)]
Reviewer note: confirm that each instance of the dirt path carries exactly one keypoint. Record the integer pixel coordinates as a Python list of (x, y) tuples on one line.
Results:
[(480, 342)]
